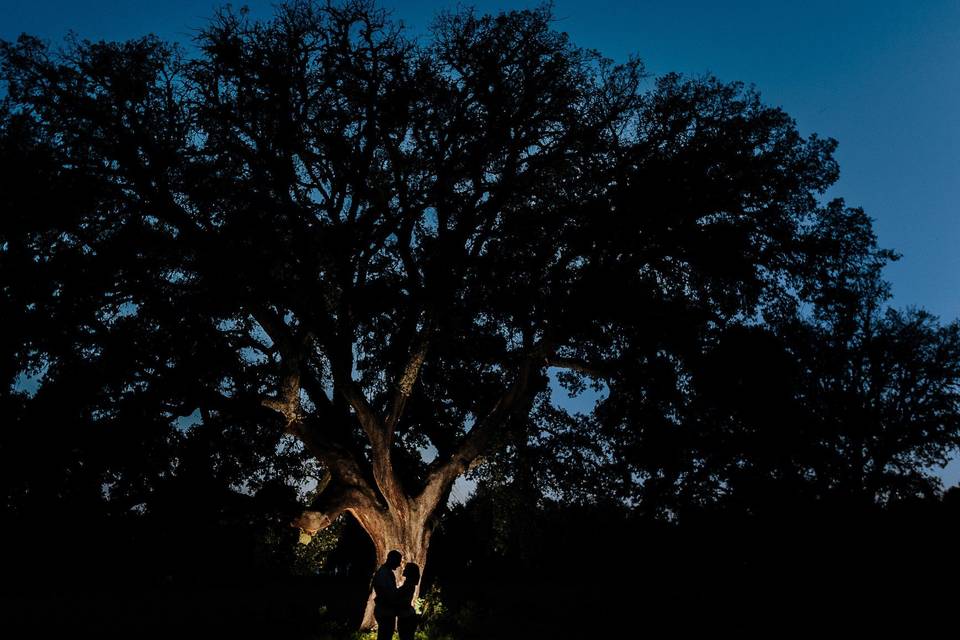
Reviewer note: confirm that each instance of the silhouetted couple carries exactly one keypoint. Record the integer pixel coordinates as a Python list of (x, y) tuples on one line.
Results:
[(393, 605)]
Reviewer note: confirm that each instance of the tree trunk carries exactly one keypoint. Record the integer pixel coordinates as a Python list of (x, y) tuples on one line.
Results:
[(407, 531)]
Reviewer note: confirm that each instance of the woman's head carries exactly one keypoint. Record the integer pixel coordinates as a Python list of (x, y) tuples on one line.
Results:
[(412, 571)]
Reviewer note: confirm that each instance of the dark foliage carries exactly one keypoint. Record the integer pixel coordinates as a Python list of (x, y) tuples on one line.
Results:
[(599, 571)]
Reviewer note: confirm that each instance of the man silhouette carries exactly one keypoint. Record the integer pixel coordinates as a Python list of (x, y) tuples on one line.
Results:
[(385, 588)]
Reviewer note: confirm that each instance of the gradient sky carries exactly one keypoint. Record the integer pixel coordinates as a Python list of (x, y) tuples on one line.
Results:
[(880, 76)]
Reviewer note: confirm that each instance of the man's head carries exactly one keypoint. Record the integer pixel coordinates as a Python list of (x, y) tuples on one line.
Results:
[(394, 558)]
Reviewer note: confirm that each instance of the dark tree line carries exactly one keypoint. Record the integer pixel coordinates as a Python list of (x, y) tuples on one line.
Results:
[(832, 397), (318, 248)]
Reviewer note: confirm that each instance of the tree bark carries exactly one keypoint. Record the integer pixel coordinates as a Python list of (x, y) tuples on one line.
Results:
[(406, 530)]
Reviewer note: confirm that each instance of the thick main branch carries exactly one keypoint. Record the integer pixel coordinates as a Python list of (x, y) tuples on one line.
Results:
[(478, 441)]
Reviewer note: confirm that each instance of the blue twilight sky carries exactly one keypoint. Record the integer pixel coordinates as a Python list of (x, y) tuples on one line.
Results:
[(880, 76)]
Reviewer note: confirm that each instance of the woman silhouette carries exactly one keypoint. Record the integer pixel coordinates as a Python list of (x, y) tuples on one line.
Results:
[(407, 618)]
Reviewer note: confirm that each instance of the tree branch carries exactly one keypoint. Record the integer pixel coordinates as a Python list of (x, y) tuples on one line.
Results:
[(376, 432), (344, 466), (478, 441), (603, 370), (333, 501), (410, 373)]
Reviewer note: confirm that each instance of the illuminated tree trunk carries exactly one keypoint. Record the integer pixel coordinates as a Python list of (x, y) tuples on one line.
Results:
[(392, 515), (407, 530)]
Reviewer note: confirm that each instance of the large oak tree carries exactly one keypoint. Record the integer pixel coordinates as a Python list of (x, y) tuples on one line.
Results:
[(320, 228)]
